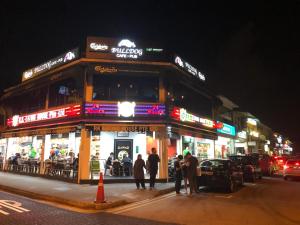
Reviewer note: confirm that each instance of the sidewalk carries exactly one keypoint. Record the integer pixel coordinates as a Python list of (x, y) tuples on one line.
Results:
[(81, 196)]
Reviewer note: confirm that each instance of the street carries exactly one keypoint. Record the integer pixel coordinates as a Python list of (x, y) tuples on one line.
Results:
[(270, 201)]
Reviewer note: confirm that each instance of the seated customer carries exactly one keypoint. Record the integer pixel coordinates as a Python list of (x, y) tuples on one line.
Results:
[(127, 165), (108, 164)]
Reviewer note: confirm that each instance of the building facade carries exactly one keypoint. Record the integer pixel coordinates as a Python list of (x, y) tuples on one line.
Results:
[(115, 96)]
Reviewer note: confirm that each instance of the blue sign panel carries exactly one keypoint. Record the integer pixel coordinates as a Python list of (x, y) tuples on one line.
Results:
[(227, 129)]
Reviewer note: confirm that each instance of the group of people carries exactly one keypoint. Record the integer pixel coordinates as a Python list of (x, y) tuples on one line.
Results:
[(126, 162), (186, 169), (151, 166)]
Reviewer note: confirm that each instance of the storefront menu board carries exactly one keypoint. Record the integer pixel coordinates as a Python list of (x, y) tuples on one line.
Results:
[(123, 49), (51, 64)]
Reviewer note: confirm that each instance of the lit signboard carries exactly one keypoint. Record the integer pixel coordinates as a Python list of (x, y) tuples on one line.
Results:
[(182, 115), (69, 111), (242, 134), (227, 129), (188, 68), (127, 49), (251, 121), (51, 64), (254, 133), (125, 109)]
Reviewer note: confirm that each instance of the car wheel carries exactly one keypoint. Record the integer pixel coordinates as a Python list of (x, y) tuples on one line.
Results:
[(242, 180), (253, 178), (231, 186)]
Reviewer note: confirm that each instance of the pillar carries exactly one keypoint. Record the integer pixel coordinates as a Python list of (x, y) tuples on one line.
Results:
[(163, 155), (84, 155)]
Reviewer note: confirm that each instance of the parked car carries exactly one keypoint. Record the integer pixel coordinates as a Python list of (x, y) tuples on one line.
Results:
[(222, 173), (266, 163), (249, 165), (279, 163), (291, 169)]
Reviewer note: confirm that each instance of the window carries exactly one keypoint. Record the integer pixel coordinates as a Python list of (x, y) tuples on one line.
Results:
[(120, 88), (28, 102), (66, 91), (193, 101)]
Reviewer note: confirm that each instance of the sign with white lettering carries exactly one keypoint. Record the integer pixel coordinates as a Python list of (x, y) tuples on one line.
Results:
[(227, 129), (69, 111), (8, 205), (182, 115), (188, 68), (128, 49), (51, 64)]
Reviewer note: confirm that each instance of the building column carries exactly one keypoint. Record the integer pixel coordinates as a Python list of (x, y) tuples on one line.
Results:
[(42, 157), (84, 155), (163, 154)]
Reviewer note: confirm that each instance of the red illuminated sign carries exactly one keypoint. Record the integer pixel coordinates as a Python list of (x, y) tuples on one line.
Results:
[(69, 111), (182, 115)]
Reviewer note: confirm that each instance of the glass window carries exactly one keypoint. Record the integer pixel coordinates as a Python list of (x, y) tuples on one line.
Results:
[(66, 91), (190, 99), (31, 101), (120, 88)]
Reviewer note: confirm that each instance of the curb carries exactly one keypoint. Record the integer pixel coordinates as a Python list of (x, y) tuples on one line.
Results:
[(77, 204)]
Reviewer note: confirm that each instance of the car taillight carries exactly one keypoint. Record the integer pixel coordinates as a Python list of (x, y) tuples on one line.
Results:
[(297, 164), (285, 167), (280, 160)]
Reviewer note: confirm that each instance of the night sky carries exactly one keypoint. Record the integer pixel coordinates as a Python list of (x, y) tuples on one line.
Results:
[(249, 50)]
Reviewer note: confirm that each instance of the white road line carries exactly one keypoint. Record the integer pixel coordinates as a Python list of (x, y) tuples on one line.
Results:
[(3, 212), (139, 204), (223, 196)]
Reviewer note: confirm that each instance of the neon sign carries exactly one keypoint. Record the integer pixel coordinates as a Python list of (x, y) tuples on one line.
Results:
[(189, 68), (127, 49), (132, 109), (18, 120), (98, 47), (227, 129), (58, 61), (182, 115), (126, 109)]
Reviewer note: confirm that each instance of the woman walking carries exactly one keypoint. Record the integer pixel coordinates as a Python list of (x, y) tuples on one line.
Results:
[(138, 172)]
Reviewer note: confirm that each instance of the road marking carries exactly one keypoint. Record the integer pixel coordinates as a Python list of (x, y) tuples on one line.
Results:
[(223, 196), (12, 205), (140, 204)]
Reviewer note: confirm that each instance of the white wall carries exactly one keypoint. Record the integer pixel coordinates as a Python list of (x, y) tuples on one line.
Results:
[(107, 144)]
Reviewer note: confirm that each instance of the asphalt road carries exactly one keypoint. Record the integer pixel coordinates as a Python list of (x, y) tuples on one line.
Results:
[(271, 201)]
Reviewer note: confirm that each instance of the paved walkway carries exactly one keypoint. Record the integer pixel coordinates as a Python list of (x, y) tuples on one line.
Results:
[(81, 196)]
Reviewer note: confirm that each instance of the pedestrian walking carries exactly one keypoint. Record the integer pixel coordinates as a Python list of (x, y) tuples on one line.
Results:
[(178, 173), (138, 172), (191, 164), (153, 160)]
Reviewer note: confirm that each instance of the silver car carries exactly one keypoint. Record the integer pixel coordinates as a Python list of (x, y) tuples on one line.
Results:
[(291, 169)]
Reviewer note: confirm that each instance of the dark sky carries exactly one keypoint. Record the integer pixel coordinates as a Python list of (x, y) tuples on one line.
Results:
[(249, 50)]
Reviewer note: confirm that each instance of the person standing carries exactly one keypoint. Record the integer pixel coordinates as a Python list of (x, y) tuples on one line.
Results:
[(153, 160), (191, 164), (138, 172), (178, 173)]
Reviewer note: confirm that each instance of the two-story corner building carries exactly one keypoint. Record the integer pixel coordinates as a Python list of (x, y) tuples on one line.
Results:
[(115, 96)]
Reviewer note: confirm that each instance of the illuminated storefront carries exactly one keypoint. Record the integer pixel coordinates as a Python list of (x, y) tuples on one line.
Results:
[(118, 96), (224, 145)]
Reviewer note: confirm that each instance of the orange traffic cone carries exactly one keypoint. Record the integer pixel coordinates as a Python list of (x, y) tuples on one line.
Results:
[(100, 192)]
